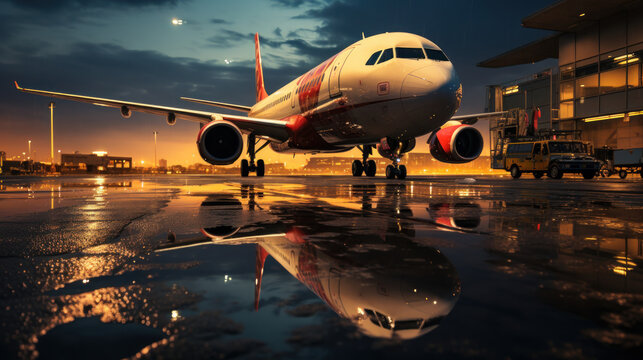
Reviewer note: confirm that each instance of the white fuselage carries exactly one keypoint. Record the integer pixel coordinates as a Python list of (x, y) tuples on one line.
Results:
[(344, 102)]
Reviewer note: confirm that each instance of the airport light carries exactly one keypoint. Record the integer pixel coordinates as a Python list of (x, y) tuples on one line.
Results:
[(155, 133), (29, 142), (52, 105)]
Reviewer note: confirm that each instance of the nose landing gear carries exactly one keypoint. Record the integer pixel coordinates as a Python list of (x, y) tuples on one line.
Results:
[(247, 167), (368, 167), (395, 170)]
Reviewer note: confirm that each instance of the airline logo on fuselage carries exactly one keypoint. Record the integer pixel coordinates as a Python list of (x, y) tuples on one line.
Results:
[(309, 85)]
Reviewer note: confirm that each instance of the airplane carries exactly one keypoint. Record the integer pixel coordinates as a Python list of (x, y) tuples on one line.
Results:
[(398, 289), (382, 91)]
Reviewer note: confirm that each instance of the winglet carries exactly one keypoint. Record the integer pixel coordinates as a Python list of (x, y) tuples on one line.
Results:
[(17, 86), (261, 89)]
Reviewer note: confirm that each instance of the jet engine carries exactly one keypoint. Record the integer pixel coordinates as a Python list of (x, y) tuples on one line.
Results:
[(126, 112), (390, 147), (220, 142), (456, 144)]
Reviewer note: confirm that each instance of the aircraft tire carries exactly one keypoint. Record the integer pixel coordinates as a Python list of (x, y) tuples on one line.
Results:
[(357, 168), (245, 168), (588, 175), (390, 172), (401, 172), (261, 168)]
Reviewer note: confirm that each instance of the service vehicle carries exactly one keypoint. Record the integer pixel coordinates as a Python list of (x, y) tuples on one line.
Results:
[(552, 157)]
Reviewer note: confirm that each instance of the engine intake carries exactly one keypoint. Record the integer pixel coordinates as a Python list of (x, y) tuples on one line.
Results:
[(220, 142), (126, 112), (456, 144)]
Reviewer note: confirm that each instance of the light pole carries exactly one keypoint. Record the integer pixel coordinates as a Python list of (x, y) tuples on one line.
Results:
[(155, 133), (52, 105), (29, 152)]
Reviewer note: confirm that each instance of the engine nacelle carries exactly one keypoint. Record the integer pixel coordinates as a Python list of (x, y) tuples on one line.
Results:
[(390, 147), (456, 144), (220, 142), (126, 113), (171, 119)]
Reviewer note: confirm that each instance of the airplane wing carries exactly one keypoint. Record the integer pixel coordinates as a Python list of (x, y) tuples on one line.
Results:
[(270, 129), (473, 118), (236, 107)]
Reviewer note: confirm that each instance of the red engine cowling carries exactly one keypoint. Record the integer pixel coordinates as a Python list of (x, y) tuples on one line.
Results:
[(456, 144), (220, 142)]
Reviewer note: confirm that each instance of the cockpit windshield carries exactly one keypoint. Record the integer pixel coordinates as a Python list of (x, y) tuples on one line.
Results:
[(436, 55), (381, 56), (409, 53), (567, 147)]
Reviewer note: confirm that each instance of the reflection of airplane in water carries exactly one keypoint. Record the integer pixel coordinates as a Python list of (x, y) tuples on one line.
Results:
[(388, 286)]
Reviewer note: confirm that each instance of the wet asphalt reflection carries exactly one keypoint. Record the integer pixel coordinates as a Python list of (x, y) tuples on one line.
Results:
[(319, 267)]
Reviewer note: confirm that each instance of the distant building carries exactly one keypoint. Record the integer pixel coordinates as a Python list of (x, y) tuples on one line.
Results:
[(162, 163), (93, 163)]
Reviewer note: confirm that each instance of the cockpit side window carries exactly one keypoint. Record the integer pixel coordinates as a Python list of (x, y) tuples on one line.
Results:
[(373, 59), (409, 53), (436, 55), (386, 56)]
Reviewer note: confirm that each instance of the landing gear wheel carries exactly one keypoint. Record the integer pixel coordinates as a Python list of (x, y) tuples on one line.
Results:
[(390, 172), (538, 174), (515, 172), (245, 168), (588, 175), (401, 172), (357, 168), (622, 174), (371, 168), (261, 168), (554, 172)]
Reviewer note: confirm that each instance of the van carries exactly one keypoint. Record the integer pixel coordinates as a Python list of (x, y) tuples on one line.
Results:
[(551, 157)]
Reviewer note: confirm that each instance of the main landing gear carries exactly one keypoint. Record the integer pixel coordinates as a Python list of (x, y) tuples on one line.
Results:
[(368, 167), (248, 167)]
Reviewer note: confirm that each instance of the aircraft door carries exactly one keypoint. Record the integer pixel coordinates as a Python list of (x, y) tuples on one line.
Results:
[(335, 71), (292, 99), (334, 290)]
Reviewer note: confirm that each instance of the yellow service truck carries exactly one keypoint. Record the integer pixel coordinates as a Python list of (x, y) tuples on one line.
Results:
[(551, 157)]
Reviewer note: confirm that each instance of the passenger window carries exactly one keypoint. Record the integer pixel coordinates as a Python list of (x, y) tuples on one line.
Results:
[(545, 151), (373, 59), (436, 55), (409, 53), (386, 56), (537, 149)]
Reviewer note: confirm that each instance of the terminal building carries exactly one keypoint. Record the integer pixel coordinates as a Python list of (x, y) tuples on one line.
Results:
[(97, 162), (596, 89)]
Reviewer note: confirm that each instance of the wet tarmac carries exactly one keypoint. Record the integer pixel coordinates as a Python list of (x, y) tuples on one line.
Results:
[(320, 267)]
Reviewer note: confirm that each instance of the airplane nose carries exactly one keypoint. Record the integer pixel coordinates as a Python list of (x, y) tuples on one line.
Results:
[(428, 80), (432, 91)]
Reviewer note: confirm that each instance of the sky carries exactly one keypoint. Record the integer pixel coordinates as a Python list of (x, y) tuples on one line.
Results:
[(130, 50)]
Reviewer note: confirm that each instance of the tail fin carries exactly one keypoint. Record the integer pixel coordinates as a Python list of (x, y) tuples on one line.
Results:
[(261, 90)]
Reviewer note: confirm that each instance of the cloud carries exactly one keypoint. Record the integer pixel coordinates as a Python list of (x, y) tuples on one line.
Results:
[(219, 21), (227, 38), (294, 3), (66, 5)]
